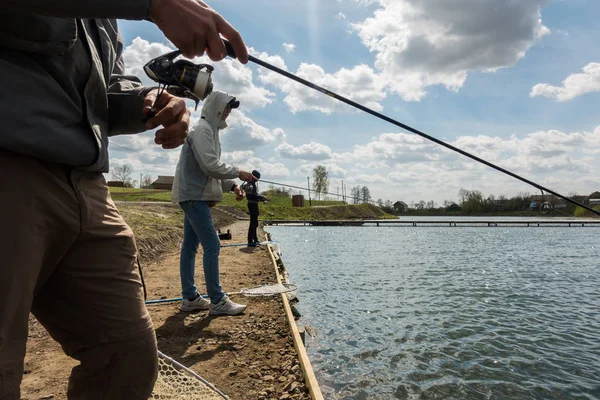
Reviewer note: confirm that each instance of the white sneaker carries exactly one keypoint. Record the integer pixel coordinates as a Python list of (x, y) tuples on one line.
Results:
[(226, 307), (199, 303)]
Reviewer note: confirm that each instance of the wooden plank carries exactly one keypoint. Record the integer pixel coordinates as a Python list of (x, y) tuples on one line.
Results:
[(309, 375)]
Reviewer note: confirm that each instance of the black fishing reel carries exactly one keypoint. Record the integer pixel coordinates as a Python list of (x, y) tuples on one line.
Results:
[(181, 78), (546, 207)]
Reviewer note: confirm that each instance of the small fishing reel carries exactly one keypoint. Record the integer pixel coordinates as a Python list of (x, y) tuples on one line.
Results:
[(181, 78), (546, 207)]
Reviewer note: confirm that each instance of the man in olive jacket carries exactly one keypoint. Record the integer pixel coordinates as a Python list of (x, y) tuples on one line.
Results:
[(67, 255)]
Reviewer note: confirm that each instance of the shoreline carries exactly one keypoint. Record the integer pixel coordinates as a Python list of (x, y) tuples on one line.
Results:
[(248, 357)]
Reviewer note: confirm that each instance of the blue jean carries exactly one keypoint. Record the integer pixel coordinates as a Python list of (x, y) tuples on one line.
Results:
[(198, 228)]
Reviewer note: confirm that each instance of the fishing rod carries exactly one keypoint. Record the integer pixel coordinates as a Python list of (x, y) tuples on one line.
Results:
[(299, 187), (231, 53)]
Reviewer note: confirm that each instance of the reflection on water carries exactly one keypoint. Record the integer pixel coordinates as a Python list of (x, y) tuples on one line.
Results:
[(443, 312)]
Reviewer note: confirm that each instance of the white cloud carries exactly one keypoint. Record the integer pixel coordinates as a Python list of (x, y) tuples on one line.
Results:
[(289, 47), (333, 170), (237, 157), (276, 170), (436, 42), (142, 154), (366, 179), (243, 133), (360, 84), (310, 151), (341, 16), (246, 160), (390, 148), (573, 86)]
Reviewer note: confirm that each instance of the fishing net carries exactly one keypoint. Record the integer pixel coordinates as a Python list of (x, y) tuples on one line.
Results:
[(268, 290), (265, 290), (175, 381)]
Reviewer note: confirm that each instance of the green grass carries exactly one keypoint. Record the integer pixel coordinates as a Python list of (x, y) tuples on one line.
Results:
[(152, 220), (276, 208), (135, 194), (581, 212), (229, 200)]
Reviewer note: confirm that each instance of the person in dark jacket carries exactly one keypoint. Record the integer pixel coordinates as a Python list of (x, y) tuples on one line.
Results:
[(68, 256), (251, 190)]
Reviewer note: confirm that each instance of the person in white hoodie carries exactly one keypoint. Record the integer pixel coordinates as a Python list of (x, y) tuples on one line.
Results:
[(200, 179)]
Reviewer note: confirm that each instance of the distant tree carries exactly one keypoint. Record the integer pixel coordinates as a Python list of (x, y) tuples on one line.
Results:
[(365, 194), (520, 202), (130, 183), (431, 205), (462, 195), (420, 205), (388, 207), (320, 180), (146, 181), (355, 194), (276, 191), (379, 203), (474, 202), (123, 174)]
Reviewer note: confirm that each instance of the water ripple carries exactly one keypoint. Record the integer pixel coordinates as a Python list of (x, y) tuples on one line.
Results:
[(447, 313)]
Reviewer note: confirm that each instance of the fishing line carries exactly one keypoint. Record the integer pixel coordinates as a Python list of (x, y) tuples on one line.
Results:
[(299, 187), (231, 53)]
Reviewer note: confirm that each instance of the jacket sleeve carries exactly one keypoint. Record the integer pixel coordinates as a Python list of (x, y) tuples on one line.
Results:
[(125, 99), (206, 149), (122, 9)]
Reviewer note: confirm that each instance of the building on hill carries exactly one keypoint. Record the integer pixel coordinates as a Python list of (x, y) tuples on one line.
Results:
[(115, 184), (594, 195), (453, 207), (400, 206), (163, 182)]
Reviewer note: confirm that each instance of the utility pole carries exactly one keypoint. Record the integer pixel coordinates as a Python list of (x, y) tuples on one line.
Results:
[(309, 201), (140, 180), (343, 197)]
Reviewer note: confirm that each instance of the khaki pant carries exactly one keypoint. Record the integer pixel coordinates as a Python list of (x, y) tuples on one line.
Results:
[(67, 256)]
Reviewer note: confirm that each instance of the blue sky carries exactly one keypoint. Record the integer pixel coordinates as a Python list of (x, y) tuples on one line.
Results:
[(516, 83)]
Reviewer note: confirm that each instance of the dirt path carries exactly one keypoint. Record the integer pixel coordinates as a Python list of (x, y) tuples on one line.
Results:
[(250, 356)]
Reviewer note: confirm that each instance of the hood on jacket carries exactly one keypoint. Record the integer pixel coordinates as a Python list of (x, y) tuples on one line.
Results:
[(213, 108)]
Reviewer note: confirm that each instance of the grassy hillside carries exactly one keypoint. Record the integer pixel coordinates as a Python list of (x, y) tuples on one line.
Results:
[(276, 208)]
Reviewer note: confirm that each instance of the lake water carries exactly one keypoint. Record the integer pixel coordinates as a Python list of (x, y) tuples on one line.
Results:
[(449, 312)]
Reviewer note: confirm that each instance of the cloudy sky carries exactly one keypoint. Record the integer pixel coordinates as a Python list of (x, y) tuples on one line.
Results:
[(514, 82)]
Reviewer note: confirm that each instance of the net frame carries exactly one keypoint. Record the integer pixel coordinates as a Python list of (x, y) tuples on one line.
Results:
[(268, 290), (257, 291), (176, 381)]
